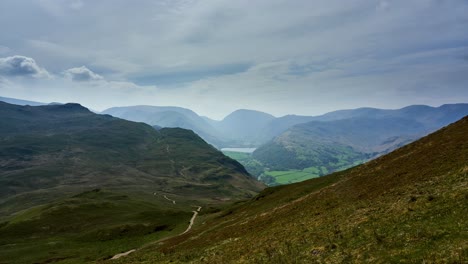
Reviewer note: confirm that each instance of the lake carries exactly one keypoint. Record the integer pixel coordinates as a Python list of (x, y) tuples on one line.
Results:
[(243, 150)]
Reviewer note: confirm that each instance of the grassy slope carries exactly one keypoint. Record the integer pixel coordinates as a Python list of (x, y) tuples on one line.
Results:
[(50, 154), (409, 206), (66, 149), (89, 226)]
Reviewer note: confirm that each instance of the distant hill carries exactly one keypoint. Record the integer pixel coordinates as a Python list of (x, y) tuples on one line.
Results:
[(67, 148), (19, 101), (167, 116), (341, 139), (243, 126), (405, 207), (337, 144), (432, 117)]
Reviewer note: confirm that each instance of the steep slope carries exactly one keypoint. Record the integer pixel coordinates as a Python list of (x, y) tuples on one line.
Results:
[(46, 151), (405, 207), (167, 116)]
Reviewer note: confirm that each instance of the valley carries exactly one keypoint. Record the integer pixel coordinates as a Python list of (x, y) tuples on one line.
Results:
[(233, 132), (407, 206), (80, 187), (288, 149)]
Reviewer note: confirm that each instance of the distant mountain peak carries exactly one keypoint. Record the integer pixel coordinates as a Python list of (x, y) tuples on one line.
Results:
[(68, 107)]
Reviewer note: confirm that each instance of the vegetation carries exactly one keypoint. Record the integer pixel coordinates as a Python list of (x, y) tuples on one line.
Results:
[(65, 149), (76, 186), (88, 226), (405, 207)]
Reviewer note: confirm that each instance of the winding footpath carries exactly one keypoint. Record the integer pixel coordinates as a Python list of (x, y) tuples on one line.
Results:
[(173, 201), (195, 214), (192, 220)]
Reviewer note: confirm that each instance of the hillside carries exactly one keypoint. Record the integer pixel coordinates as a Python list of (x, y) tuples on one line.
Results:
[(345, 138), (336, 143), (67, 148), (431, 117), (76, 186), (243, 126), (168, 116), (408, 206)]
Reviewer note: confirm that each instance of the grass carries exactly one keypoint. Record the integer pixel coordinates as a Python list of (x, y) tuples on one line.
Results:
[(405, 207), (291, 176), (89, 226), (287, 176)]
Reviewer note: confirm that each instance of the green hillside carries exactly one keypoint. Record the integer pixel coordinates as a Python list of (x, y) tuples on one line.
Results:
[(76, 186), (326, 147), (409, 206), (66, 148)]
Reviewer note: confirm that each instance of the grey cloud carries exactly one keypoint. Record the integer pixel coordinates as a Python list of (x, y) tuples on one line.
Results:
[(82, 74), (4, 49), (21, 66)]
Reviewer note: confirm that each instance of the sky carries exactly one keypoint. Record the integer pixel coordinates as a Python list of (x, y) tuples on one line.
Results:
[(283, 57)]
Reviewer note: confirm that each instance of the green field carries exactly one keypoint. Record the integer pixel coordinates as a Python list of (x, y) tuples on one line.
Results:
[(286, 176), (291, 176)]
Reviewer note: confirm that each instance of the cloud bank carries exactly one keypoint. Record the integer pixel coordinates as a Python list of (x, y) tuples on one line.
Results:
[(82, 74), (215, 56), (21, 66)]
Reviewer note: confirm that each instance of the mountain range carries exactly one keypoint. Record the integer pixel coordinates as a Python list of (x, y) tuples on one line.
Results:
[(80, 187), (341, 139), (294, 148)]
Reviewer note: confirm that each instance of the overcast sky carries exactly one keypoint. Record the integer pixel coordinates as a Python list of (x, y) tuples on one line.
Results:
[(215, 56)]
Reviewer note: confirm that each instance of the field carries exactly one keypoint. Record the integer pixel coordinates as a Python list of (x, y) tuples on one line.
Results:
[(286, 176), (291, 176)]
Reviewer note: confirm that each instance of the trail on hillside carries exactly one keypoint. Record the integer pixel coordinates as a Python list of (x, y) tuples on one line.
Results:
[(195, 214), (123, 254), (192, 220), (173, 201)]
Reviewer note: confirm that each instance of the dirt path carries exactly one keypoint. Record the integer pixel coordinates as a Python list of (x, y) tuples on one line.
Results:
[(173, 201), (195, 214), (192, 220), (123, 254)]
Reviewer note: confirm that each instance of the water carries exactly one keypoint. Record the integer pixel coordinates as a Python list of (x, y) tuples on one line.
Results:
[(243, 150)]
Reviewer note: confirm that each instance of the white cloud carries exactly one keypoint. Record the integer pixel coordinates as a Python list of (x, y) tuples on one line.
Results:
[(22, 66), (82, 74)]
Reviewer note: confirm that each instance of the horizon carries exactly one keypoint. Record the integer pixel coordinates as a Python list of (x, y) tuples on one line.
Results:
[(215, 57), (275, 116)]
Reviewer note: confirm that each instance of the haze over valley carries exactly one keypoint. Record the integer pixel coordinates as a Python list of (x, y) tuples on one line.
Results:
[(201, 131)]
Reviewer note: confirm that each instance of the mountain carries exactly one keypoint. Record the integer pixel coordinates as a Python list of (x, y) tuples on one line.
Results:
[(64, 148), (167, 116), (76, 186), (243, 126), (343, 139), (19, 101), (405, 207), (432, 117), (336, 143)]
